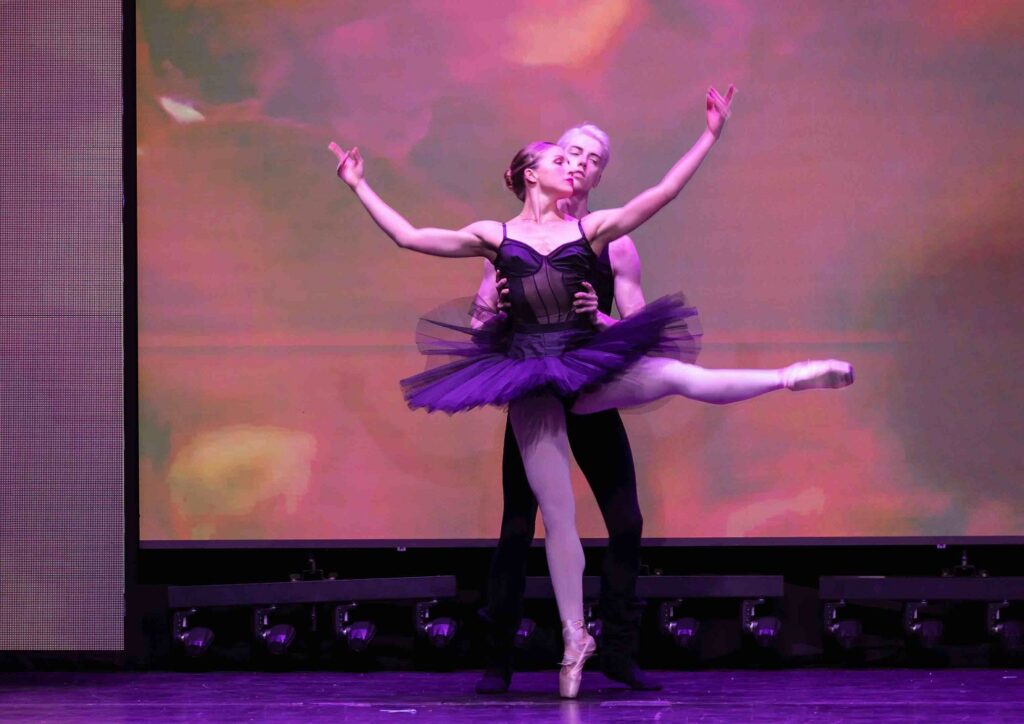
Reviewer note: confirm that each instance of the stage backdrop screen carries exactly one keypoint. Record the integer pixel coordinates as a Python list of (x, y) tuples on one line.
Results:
[(62, 426), (863, 204)]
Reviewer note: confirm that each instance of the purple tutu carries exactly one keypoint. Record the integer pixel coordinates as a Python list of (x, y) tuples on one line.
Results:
[(494, 361)]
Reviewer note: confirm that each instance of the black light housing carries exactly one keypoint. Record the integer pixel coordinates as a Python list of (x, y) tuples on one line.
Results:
[(764, 629), (277, 638), (194, 640), (683, 630), (440, 632), (357, 635), (926, 632)]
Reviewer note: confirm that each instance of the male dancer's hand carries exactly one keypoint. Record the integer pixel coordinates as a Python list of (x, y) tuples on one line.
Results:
[(719, 109), (585, 302), (501, 285)]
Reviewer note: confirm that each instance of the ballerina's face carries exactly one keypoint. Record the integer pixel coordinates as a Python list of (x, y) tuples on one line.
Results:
[(552, 173), (585, 157)]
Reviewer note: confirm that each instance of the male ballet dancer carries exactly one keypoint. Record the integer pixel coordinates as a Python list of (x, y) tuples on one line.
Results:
[(601, 449)]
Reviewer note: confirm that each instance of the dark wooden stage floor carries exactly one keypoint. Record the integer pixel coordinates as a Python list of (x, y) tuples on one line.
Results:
[(976, 695)]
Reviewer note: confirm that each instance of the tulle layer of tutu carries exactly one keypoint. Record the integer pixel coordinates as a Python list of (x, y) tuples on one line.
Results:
[(490, 362)]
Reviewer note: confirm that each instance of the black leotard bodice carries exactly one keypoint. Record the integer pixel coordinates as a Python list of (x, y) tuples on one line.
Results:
[(603, 281), (542, 287)]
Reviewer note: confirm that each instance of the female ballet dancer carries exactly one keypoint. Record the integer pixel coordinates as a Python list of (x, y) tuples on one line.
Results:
[(547, 355)]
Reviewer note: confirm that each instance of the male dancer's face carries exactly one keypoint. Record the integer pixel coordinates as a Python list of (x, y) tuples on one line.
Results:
[(585, 156)]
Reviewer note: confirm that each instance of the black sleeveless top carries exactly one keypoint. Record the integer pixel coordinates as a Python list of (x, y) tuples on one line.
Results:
[(542, 286), (603, 281)]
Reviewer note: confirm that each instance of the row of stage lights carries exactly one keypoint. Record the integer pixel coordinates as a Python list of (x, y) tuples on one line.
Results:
[(682, 631), (918, 627), (277, 638), (923, 630)]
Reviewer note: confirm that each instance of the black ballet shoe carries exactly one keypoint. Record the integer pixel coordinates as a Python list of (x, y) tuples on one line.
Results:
[(632, 676), (494, 681)]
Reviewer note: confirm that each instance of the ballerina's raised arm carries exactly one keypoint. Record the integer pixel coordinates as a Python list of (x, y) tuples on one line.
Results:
[(607, 225), (481, 238)]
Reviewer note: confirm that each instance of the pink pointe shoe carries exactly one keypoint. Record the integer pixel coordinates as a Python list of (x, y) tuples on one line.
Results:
[(817, 374), (579, 646)]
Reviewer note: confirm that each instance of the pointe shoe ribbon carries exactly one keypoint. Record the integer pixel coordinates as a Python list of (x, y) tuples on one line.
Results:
[(818, 374), (579, 646)]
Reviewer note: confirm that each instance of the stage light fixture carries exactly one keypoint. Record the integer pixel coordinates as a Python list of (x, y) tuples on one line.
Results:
[(194, 640), (683, 631), (764, 629), (595, 626), (524, 633), (845, 632), (925, 631), (277, 638), (1009, 632), (440, 632), (357, 635)]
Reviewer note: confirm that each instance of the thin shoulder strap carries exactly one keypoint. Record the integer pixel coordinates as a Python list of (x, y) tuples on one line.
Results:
[(504, 233), (583, 234)]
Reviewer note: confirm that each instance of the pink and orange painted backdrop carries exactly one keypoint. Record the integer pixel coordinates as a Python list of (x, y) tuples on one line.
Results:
[(864, 203)]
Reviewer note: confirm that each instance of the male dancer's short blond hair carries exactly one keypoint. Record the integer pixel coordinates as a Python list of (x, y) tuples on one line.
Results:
[(594, 132)]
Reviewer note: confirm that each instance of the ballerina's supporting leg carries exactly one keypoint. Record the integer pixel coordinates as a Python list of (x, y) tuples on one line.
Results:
[(653, 378), (539, 426)]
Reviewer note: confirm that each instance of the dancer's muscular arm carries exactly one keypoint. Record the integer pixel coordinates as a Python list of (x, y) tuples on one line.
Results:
[(603, 226), (626, 271), (477, 239), (629, 295)]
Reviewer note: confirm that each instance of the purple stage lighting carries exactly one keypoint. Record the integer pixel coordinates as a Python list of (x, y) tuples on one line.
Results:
[(764, 629), (357, 635), (360, 634), (439, 631), (525, 631), (194, 640), (683, 631), (846, 633), (277, 638), (925, 631), (1008, 632)]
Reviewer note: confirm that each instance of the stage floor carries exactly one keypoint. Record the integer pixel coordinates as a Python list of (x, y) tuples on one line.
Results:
[(988, 695)]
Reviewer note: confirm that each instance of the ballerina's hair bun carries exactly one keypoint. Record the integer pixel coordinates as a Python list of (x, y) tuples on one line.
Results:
[(526, 158)]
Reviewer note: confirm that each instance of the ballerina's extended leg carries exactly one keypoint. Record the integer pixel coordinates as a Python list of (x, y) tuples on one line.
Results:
[(656, 377)]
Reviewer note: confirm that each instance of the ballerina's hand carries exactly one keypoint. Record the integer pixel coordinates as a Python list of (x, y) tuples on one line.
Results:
[(350, 164), (586, 302), (719, 109)]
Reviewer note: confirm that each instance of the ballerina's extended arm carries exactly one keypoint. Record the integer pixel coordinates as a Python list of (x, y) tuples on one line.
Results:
[(477, 239), (607, 224)]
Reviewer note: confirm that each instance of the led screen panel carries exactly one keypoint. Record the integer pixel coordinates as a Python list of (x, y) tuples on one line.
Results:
[(62, 532), (860, 205)]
